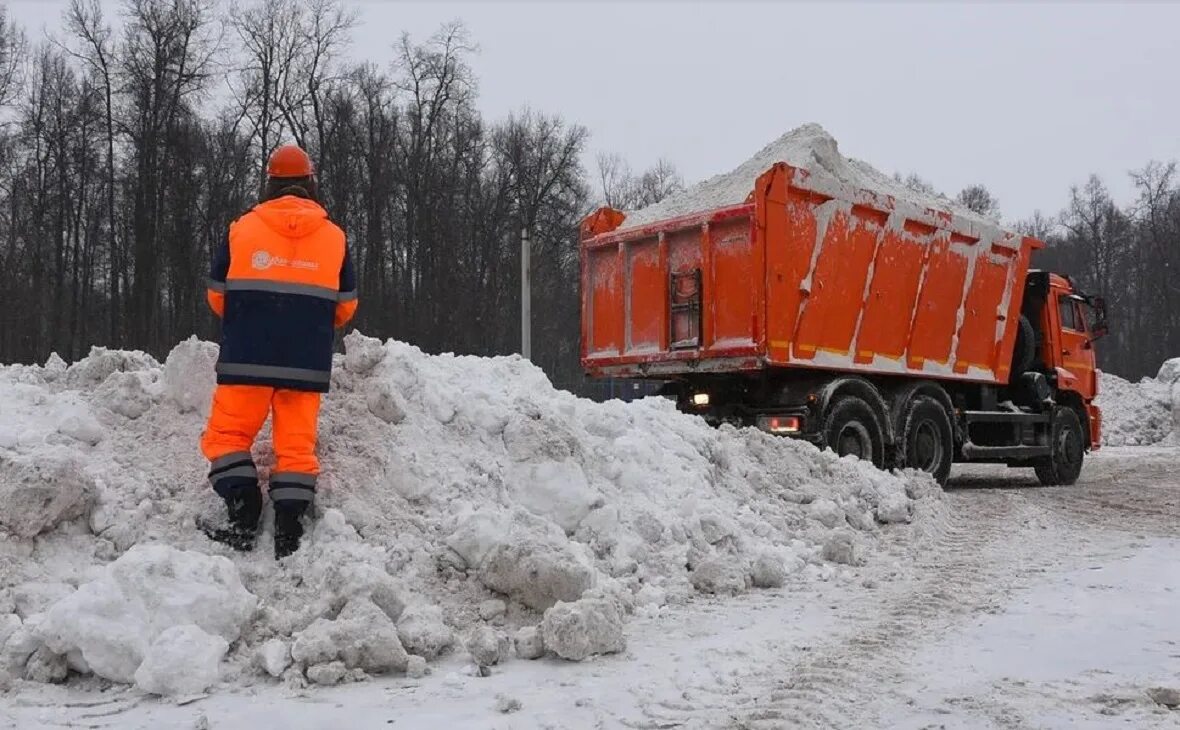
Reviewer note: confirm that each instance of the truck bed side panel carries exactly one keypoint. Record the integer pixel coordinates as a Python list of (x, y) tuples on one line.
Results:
[(807, 274)]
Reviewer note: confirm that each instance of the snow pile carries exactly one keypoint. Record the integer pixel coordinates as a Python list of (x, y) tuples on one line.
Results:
[(462, 500), (1143, 413), (809, 147), (123, 616)]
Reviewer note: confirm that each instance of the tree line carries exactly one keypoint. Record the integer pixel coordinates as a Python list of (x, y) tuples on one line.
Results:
[(126, 154), (129, 144)]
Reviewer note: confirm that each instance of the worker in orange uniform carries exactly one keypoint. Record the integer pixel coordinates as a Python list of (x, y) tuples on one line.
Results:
[(281, 284)]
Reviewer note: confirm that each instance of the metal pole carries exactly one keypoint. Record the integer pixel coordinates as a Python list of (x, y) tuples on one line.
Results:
[(526, 295)]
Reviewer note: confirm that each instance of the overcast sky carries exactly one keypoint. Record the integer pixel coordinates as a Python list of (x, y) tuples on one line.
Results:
[(1025, 98)]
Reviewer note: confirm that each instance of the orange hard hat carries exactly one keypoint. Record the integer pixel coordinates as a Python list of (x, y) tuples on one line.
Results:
[(289, 160)]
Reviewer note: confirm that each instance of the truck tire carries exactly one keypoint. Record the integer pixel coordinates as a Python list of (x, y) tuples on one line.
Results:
[(927, 439), (851, 428), (1025, 349), (1064, 463)]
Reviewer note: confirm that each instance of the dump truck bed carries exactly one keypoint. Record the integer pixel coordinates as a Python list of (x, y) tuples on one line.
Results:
[(806, 273)]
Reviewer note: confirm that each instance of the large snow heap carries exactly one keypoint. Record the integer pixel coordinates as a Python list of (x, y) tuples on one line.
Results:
[(1144, 413), (462, 500), (812, 148)]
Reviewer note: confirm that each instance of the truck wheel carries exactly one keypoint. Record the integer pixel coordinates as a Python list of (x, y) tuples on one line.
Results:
[(1064, 463), (1025, 349), (851, 428), (927, 438)]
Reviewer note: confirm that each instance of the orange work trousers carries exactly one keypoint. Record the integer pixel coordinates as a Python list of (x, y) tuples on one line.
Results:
[(237, 415)]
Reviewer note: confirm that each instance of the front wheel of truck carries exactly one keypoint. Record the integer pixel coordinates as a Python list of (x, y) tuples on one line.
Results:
[(1064, 463), (852, 429)]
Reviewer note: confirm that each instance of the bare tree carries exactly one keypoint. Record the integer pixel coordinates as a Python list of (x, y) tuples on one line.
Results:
[(979, 199), (270, 36), (84, 20)]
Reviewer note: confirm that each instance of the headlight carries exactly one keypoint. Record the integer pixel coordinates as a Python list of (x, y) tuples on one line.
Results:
[(700, 399)]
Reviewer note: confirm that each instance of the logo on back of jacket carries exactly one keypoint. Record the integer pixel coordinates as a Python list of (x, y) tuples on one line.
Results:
[(262, 260)]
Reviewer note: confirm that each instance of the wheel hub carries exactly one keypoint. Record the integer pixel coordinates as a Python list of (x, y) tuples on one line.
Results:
[(853, 440), (926, 449)]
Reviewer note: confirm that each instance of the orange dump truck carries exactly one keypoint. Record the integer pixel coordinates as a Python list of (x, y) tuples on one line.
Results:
[(908, 336)]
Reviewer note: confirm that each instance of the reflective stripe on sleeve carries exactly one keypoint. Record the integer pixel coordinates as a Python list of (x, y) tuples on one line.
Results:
[(215, 285), (347, 296)]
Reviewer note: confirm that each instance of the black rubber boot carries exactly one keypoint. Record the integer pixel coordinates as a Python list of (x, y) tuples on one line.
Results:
[(288, 526), (244, 506)]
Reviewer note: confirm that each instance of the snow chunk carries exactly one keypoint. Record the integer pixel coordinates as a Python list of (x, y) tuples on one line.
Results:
[(557, 490), (768, 571), (46, 667), (422, 631), (189, 375), (362, 354), (416, 667), (536, 565), (719, 574), (327, 674), (22, 643), (39, 495), (578, 630), (486, 647), (274, 656), (10, 623), (34, 597), (101, 363), (826, 512), (841, 547), (362, 636), (114, 619), (1169, 372), (54, 366), (492, 609), (125, 394), (893, 505), (183, 660), (529, 642), (384, 403)]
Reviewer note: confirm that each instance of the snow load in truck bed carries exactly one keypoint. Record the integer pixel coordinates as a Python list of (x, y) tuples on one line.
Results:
[(447, 482), (810, 147)]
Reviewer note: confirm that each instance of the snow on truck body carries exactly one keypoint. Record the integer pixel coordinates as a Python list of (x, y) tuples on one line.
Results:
[(811, 289)]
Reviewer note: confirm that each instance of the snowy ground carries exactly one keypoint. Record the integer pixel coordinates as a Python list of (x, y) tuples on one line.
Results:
[(1019, 606)]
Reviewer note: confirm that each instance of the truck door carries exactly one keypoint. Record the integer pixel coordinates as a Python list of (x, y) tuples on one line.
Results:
[(1077, 347)]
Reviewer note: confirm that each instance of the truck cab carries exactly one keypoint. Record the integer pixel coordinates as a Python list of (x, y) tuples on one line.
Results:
[(1066, 324)]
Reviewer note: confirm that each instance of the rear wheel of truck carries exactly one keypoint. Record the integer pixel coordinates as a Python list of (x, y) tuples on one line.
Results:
[(1064, 463), (852, 429), (927, 440)]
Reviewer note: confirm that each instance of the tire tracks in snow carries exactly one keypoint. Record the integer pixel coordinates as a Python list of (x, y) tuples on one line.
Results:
[(961, 564)]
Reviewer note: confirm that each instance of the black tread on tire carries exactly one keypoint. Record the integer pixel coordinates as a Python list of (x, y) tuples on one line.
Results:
[(851, 427), (1024, 351), (1064, 465)]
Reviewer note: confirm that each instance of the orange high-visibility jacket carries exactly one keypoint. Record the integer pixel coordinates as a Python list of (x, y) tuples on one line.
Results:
[(281, 283)]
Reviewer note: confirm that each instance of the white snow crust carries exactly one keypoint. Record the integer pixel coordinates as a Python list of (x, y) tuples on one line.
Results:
[(810, 147), (447, 482)]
